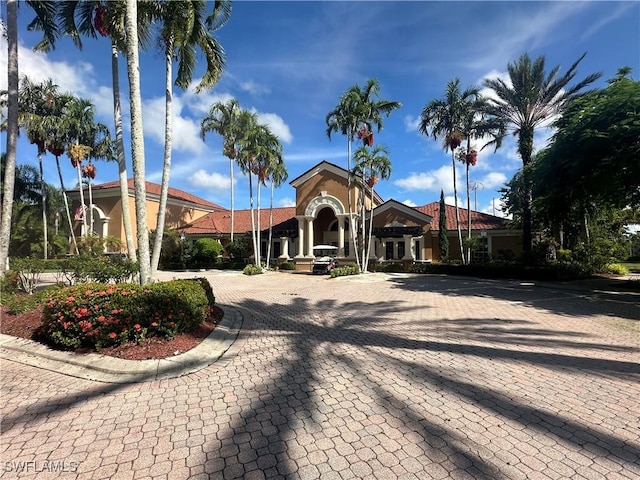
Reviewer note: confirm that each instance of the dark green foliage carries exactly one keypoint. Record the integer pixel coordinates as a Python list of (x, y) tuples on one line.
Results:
[(29, 271), (344, 271), (103, 269), (390, 267), (287, 266), (99, 315), (550, 272), (207, 251), (252, 269), (239, 248)]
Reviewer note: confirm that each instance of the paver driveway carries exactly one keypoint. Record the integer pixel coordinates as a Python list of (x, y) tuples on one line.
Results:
[(408, 377)]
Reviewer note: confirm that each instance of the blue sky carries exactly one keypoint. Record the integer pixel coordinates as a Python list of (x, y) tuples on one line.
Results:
[(291, 61)]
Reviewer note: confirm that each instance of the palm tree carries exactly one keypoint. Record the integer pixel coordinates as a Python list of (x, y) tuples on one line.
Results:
[(358, 106), (223, 118), (106, 18), (531, 98), (183, 29), (137, 140), (44, 16), (477, 125), (445, 118), (372, 164), (277, 175)]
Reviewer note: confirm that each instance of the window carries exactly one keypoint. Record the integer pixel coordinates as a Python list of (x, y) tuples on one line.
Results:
[(418, 251), (400, 249), (388, 254), (276, 249)]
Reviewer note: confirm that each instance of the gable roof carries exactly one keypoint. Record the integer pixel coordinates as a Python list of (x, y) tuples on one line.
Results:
[(220, 222), (330, 167), (154, 190), (479, 221), (407, 210)]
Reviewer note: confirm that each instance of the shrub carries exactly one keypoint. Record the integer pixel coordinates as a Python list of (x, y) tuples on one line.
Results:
[(563, 255), (252, 269), (344, 271), (98, 315), (287, 266), (239, 248), (616, 269), (206, 251), (29, 271), (389, 267), (10, 283), (104, 269), (17, 304)]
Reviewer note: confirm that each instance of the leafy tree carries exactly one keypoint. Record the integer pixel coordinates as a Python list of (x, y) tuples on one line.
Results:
[(443, 240), (358, 107), (530, 99), (277, 176)]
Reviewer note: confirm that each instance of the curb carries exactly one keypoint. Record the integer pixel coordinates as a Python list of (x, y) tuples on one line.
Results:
[(101, 368)]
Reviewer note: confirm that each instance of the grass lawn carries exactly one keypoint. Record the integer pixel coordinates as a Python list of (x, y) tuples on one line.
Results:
[(634, 267)]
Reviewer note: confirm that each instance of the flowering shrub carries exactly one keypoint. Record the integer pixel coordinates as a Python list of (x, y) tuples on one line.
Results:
[(99, 315)]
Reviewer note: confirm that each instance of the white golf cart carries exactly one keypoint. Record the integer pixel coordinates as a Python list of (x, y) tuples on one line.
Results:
[(325, 259)]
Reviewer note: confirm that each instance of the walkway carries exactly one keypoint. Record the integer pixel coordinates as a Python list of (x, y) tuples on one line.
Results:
[(375, 377)]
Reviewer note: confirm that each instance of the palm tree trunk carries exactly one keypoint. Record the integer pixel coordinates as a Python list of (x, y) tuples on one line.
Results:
[(12, 133), (253, 221), (66, 206), (468, 216), (270, 226), (91, 230), (455, 199), (349, 203), (82, 205), (44, 207), (137, 140), (232, 206), (258, 236), (366, 266), (525, 149), (122, 164), (166, 167)]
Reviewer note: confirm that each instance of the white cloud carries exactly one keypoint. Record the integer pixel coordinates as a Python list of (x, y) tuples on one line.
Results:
[(186, 132), (254, 88), (493, 180), (451, 200), (495, 207), (411, 123), (200, 103), (203, 179), (276, 125), (286, 202), (434, 180), (410, 203)]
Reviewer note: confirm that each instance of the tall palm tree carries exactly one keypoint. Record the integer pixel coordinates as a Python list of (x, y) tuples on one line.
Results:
[(223, 118), (358, 106), (529, 99), (476, 125), (277, 176), (45, 13), (106, 18), (372, 164), (137, 139), (185, 26), (445, 118)]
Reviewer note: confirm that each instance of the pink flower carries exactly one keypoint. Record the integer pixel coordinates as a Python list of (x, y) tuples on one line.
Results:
[(154, 324), (101, 318), (137, 327), (113, 335)]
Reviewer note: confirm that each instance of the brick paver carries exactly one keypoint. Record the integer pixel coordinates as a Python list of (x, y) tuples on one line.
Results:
[(413, 377)]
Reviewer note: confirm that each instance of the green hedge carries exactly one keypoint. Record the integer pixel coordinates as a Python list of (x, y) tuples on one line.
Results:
[(344, 271), (98, 315), (553, 271)]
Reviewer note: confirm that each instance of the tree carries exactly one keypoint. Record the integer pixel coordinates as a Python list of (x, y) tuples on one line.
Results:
[(358, 106), (223, 118), (183, 29), (373, 164), (530, 99), (443, 239), (137, 140), (107, 18), (446, 118), (597, 145)]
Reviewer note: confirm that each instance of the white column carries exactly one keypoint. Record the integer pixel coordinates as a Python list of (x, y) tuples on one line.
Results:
[(310, 237), (408, 248), (340, 235), (383, 246), (285, 247), (301, 225), (353, 230)]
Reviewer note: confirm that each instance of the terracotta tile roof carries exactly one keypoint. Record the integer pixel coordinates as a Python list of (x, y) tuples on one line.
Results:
[(220, 222), (479, 221), (154, 189)]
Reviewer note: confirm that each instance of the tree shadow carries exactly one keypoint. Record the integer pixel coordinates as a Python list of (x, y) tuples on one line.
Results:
[(289, 411), (543, 296)]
